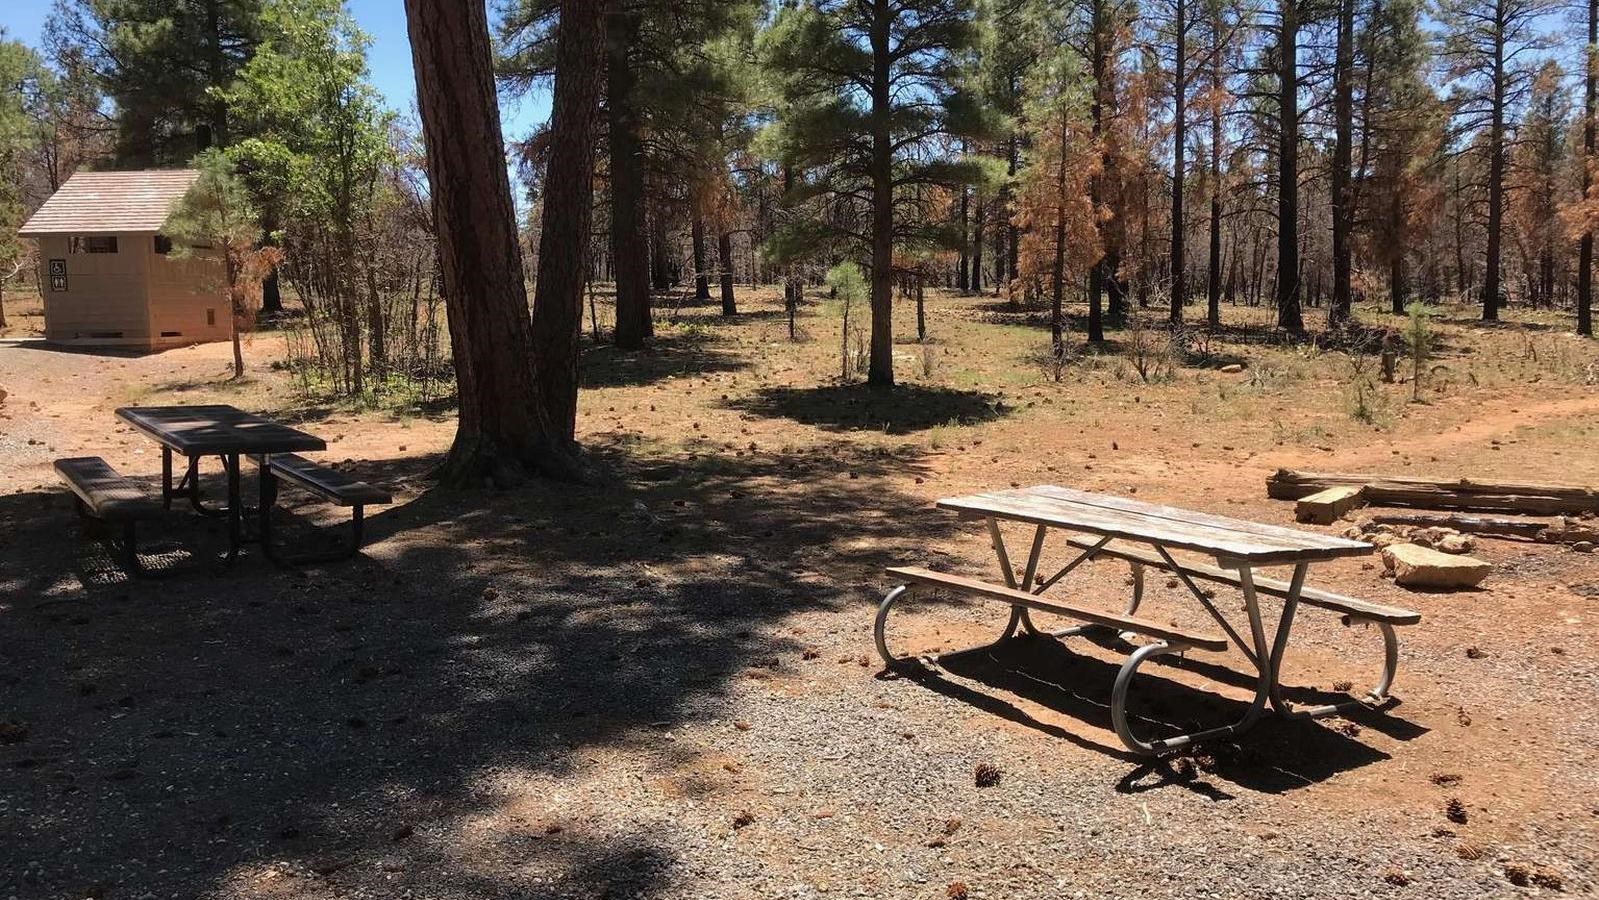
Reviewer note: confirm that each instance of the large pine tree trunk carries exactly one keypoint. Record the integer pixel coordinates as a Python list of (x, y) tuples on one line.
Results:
[(724, 257), (630, 247), (1213, 289), (1496, 183), (1179, 263), (1343, 214), (568, 205), (962, 279), (1288, 312), (702, 281), (880, 371), (504, 432), (977, 246), (1096, 273), (1585, 249)]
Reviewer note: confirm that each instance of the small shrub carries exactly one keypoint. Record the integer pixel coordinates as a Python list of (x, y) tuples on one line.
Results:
[(849, 288), (1420, 342), (1152, 354)]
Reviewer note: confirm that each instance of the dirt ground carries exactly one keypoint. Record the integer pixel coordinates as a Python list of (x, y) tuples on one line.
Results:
[(664, 685)]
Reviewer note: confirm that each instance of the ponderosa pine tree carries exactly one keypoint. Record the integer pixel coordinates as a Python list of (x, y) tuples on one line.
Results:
[(163, 65), (1286, 32), (1585, 254), (1402, 141), (568, 210), (866, 87), (1489, 46), (506, 429), (1538, 167), (1060, 234), (1220, 22)]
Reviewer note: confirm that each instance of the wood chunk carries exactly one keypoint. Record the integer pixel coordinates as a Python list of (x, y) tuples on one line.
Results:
[(1327, 507), (1416, 566)]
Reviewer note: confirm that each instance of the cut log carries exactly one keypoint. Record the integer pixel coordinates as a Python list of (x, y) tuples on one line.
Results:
[(1423, 493), (1491, 526), (1416, 566), (1327, 507)]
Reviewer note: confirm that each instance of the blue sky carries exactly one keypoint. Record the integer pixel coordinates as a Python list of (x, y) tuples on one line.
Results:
[(390, 56)]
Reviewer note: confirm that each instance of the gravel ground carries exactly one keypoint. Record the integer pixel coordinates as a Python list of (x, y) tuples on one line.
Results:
[(567, 715)]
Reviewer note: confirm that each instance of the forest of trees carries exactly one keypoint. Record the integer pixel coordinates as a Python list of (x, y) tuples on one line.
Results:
[(1151, 158)]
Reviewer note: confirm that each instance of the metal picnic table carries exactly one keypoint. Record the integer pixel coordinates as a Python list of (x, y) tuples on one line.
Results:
[(216, 430), (1238, 547)]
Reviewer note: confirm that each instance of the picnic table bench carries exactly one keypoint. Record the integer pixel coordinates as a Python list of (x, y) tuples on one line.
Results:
[(1237, 548), (324, 481), (102, 493), (228, 433)]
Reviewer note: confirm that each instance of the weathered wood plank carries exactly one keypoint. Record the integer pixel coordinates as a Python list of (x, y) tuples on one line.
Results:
[(1032, 601), (1220, 536)]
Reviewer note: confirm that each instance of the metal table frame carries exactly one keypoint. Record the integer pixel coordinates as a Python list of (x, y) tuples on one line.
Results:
[(1265, 655)]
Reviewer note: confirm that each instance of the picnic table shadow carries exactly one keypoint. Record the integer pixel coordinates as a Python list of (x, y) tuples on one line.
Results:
[(1276, 756), (321, 721)]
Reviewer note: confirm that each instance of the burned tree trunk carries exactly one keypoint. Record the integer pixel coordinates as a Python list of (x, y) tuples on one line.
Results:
[(630, 246)]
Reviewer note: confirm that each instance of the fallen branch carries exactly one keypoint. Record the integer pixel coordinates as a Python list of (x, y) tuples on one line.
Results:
[(1520, 498)]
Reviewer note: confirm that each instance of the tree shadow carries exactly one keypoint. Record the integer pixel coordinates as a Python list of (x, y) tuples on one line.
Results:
[(606, 365), (339, 729), (856, 407)]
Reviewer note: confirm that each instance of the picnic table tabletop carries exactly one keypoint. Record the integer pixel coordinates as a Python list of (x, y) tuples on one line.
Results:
[(216, 429), (1227, 539)]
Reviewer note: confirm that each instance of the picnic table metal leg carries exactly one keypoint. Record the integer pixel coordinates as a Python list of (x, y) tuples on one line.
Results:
[(235, 510), (166, 477), (1265, 686), (1378, 694), (1018, 614), (192, 479)]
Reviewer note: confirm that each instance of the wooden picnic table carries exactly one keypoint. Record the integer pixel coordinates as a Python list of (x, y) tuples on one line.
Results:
[(1236, 545), (220, 430)]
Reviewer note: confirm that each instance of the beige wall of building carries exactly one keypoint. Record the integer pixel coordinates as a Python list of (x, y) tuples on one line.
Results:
[(134, 297)]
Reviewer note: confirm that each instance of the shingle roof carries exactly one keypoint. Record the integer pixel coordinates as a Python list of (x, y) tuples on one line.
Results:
[(104, 202)]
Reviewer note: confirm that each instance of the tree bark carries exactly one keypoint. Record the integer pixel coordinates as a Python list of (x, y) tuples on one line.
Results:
[(1288, 311), (880, 371), (568, 213), (630, 246), (504, 432), (1496, 180), (1213, 288), (724, 255), (1179, 286), (1343, 216), (1096, 273), (702, 280), (1585, 249)]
